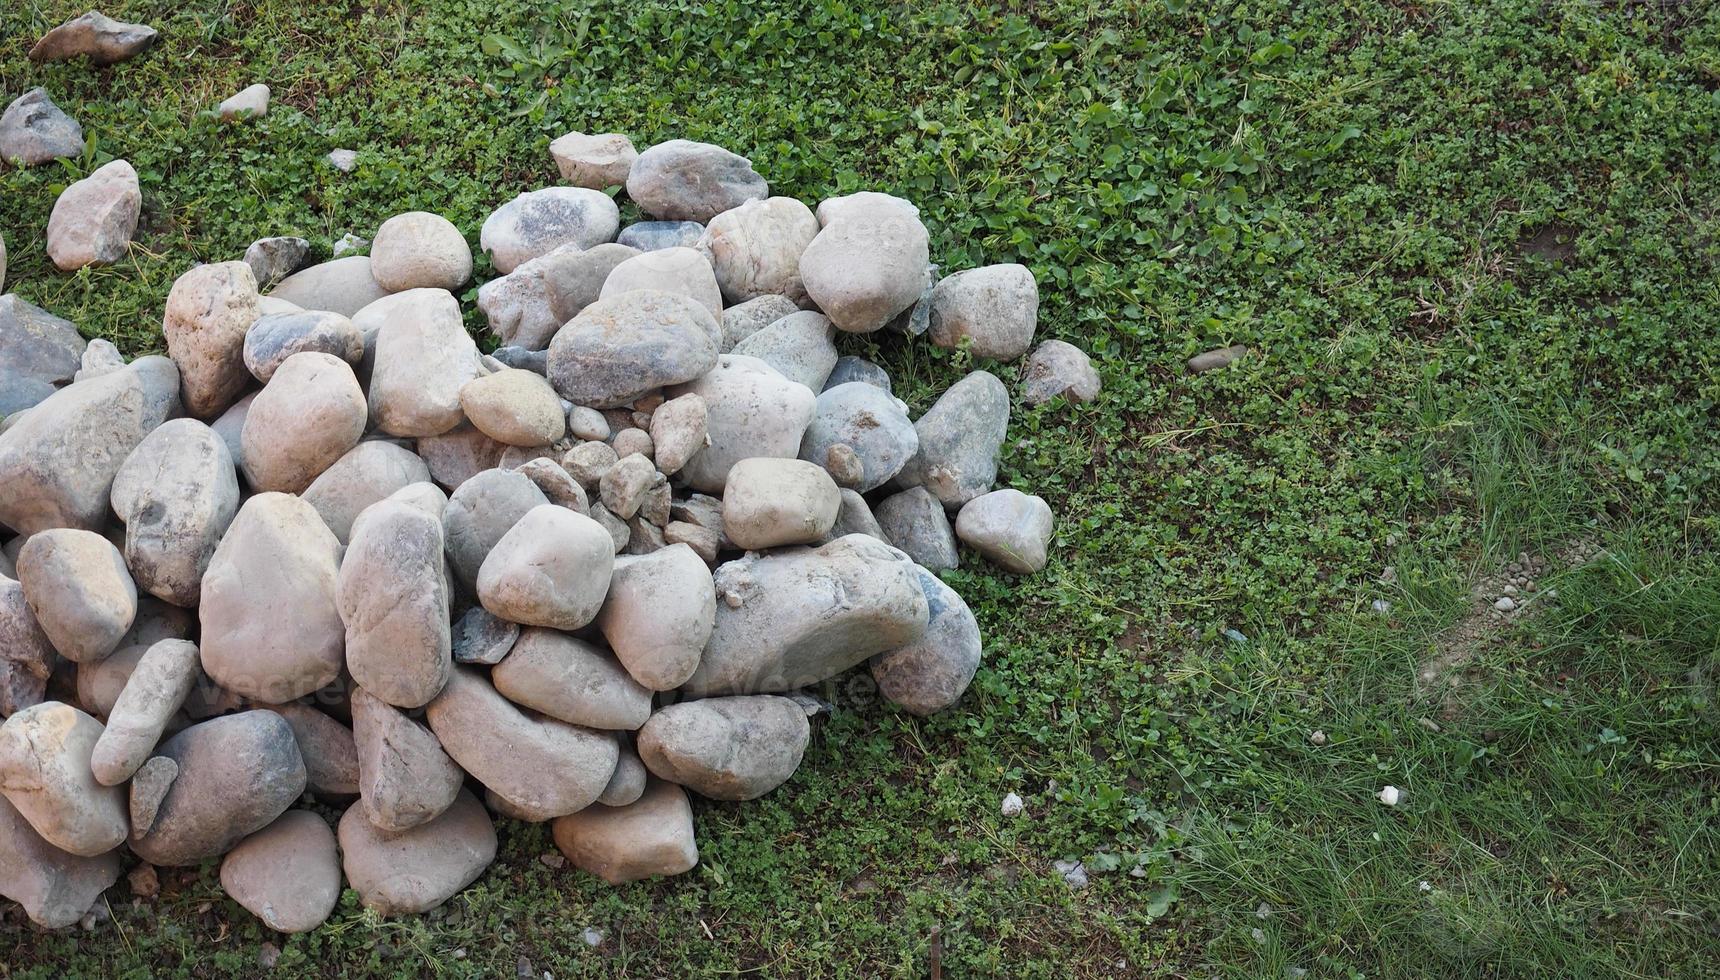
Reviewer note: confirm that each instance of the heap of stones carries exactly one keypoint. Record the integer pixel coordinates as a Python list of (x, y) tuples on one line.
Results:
[(326, 552)]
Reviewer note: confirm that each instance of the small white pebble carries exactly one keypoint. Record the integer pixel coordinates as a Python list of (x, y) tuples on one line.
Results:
[(1382, 607), (1012, 805), (1318, 737), (1426, 886), (1505, 604), (1073, 872), (1257, 934), (1391, 796), (592, 935)]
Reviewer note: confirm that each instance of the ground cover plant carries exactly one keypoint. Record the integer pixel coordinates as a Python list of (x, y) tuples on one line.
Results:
[(1472, 250)]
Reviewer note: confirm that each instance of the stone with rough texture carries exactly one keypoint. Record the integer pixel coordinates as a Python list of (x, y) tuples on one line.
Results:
[(542, 767), (459, 454), (798, 616), (648, 236), (625, 485), (659, 615), (415, 870), (571, 680), (914, 521), (157, 687), (620, 534), (704, 542), (960, 436), (519, 305), (93, 219), (1010, 528), (844, 465), (678, 432), (342, 160), (769, 502), (993, 310), (588, 462), (595, 160), (651, 836), (271, 627), (45, 772), (34, 130), (237, 773), (275, 258), (745, 319), (287, 874), (537, 222), (149, 786), (683, 180), (855, 517), (420, 250), (424, 356), (755, 249), (869, 261), (515, 408), (801, 346), (26, 655), (80, 591), (870, 422), (209, 310), (35, 346), (678, 270), (557, 486), (310, 414), (404, 777), (1058, 368), (343, 285), (96, 36), (99, 357), (369, 472), (327, 747), (480, 512), (575, 278), (551, 569), (54, 887), (250, 102), (752, 410), (728, 748), (394, 596), (930, 674), (624, 346), (274, 337), (481, 637)]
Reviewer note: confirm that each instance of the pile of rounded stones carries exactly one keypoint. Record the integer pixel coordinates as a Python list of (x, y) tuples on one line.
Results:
[(326, 554)]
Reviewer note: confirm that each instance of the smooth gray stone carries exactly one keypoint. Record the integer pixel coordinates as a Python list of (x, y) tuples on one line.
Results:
[(36, 345), (54, 887), (961, 436), (626, 346), (34, 130), (274, 337), (801, 346), (415, 870), (480, 512), (868, 420), (730, 748), (930, 674), (536, 222), (1212, 360), (751, 410), (914, 521), (745, 319), (992, 310), (480, 637), (1058, 368), (343, 286), (681, 180), (535, 361), (648, 236), (1010, 528), (394, 598), (869, 261), (176, 493), (850, 368), (404, 777), (274, 259)]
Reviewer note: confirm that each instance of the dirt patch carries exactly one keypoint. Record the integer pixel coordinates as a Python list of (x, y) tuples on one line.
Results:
[(1555, 244)]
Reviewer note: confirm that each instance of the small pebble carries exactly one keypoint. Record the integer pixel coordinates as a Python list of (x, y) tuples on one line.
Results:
[(1505, 604), (1012, 805), (1391, 796)]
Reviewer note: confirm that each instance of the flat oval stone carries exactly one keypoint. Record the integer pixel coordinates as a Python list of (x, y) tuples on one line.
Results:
[(659, 614), (274, 337), (930, 674), (733, 748), (625, 346), (79, 590), (393, 594), (310, 414), (415, 870), (177, 494), (683, 180), (537, 222), (574, 681), (287, 874), (650, 836), (869, 421)]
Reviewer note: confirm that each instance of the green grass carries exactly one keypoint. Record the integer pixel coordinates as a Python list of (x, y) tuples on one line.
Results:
[(1474, 249)]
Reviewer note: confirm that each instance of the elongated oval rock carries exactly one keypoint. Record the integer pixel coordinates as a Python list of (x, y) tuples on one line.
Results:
[(423, 357), (867, 420), (237, 773), (659, 614), (176, 493), (930, 674), (651, 836), (551, 569), (159, 684), (751, 411), (45, 772), (393, 597), (572, 680), (96, 36), (868, 263), (287, 874), (343, 285), (624, 346), (274, 337), (679, 270), (79, 590), (480, 512), (308, 416), (798, 616), (404, 777), (417, 869), (594, 160), (734, 748), (58, 462), (93, 219), (54, 887), (514, 407), (755, 249), (960, 436), (542, 767), (327, 747), (537, 222), (369, 472), (683, 180), (271, 627), (209, 310)]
